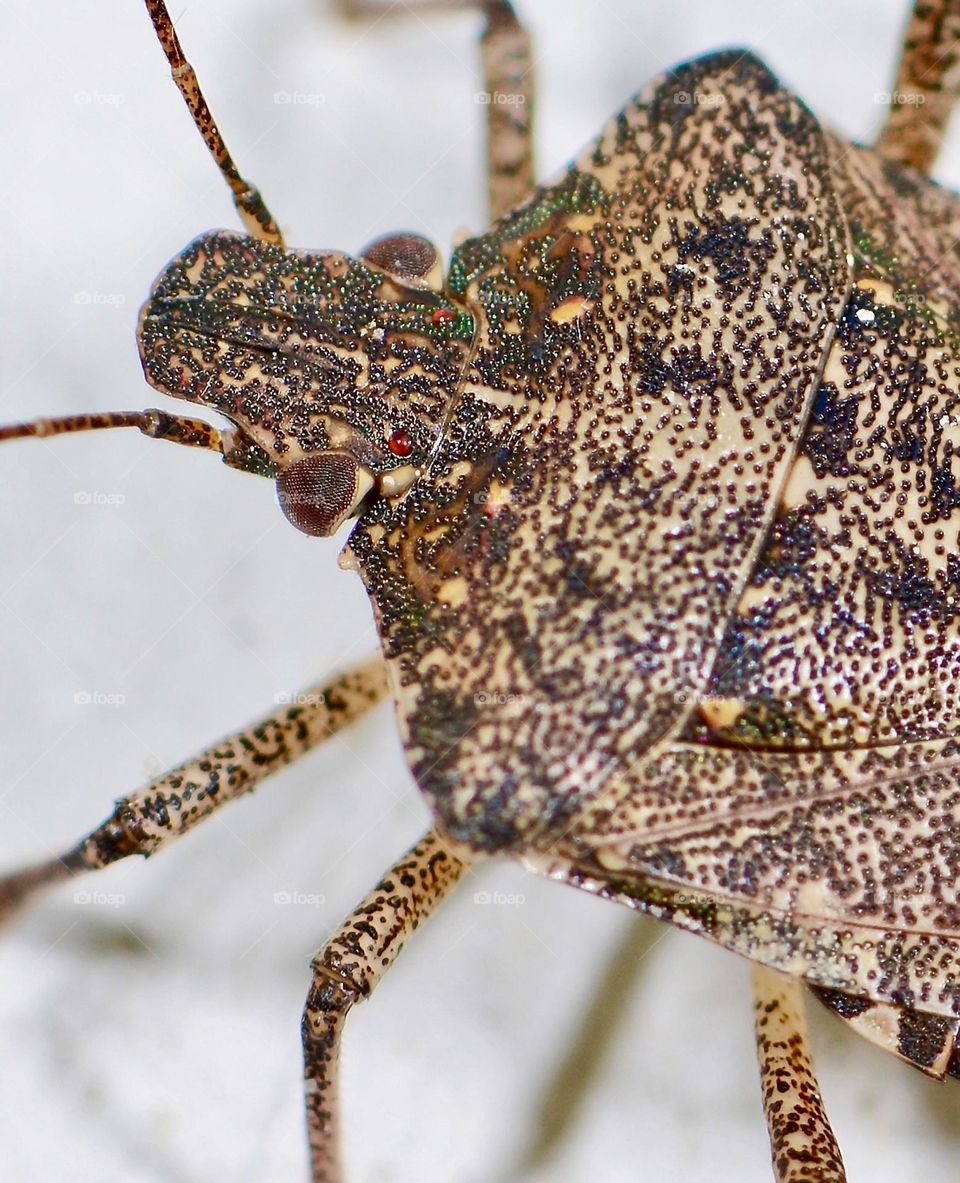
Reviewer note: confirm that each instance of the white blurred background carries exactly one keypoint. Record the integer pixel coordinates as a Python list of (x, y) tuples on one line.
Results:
[(149, 1029)]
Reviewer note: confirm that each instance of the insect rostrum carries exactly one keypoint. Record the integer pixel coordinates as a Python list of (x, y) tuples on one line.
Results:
[(664, 582)]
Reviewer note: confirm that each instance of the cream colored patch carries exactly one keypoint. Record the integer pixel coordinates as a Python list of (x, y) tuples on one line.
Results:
[(800, 481), (812, 899), (497, 496), (751, 599), (833, 370), (582, 222), (363, 486), (611, 857), (719, 713), (347, 560), (338, 432), (569, 309), (882, 291), (880, 1024), (398, 480), (453, 592), (195, 270)]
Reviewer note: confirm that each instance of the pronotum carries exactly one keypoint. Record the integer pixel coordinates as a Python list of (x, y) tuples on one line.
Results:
[(96, 610)]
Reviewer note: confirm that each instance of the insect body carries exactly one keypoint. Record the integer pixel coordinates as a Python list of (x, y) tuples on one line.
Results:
[(646, 365)]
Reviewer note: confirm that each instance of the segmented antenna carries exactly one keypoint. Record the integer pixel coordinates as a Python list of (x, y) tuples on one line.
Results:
[(251, 207), (193, 433)]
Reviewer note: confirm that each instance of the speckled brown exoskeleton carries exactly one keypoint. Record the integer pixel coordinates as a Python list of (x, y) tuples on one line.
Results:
[(653, 492)]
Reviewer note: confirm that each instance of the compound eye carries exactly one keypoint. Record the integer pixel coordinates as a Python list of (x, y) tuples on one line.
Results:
[(318, 493), (407, 256)]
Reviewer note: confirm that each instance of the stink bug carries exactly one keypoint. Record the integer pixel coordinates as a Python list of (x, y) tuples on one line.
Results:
[(493, 511)]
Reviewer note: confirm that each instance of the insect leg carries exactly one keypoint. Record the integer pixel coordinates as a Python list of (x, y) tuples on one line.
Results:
[(927, 85), (257, 219), (347, 969), (508, 77), (508, 90), (802, 1143), (180, 799)]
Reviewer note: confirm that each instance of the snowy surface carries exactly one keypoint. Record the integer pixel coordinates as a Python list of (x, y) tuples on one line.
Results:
[(149, 1020)]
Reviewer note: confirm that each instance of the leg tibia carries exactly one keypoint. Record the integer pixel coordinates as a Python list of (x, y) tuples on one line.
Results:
[(180, 799), (926, 88), (803, 1147), (349, 967)]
